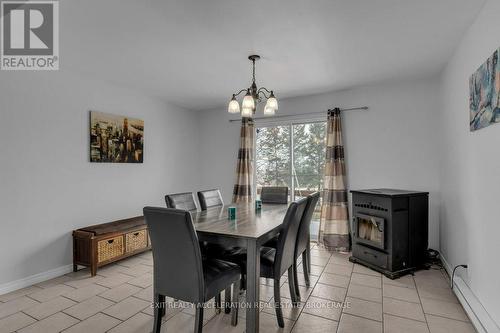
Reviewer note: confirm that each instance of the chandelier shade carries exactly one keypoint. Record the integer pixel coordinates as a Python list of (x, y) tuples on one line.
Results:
[(253, 97)]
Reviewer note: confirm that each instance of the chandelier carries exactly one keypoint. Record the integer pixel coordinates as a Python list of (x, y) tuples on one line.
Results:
[(252, 97)]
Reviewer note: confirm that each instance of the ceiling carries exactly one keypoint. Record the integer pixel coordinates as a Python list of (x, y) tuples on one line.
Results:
[(194, 53)]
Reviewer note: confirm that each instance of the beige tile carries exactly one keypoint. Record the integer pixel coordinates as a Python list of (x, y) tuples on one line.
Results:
[(88, 307), (136, 270), (440, 294), (431, 278), (51, 292), (126, 308), (19, 293), (14, 322), (98, 323), (445, 325), (222, 324), (304, 291), (53, 282), (142, 281), (86, 292), (366, 280), (365, 270), (315, 270), (266, 292), (323, 308), (130, 262), (110, 270), (289, 311), (363, 308), (140, 323), (394, 324), (80, 280), (444, 309), (181, 323), (145, 294), (48, 308), (309, 323), (338, 269), (55, 323), (172, 308), (334, 280), (401, 293), (318, 261), (403, 309), (269, 324), (16, 305), (340, 261), (403, 281), (114, 280), (366, 293), (120, 293), (302, 282), (329, 292), (353, 324)]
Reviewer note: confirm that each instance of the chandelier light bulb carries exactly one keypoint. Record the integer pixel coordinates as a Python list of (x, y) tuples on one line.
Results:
[(272, 102), (234, 106), (248, 101), (246, 112), (268, 111)]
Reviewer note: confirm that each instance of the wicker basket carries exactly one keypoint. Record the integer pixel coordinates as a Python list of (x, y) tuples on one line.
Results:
[(109, 248), (136, 241)]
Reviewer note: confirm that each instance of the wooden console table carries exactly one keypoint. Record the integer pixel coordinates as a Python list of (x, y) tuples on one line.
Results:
[(102, 244)]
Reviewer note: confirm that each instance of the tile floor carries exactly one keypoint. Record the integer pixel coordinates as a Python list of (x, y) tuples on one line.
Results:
[(342, 298)]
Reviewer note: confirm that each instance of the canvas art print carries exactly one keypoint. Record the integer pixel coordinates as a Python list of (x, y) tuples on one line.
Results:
[(116, 139), (484, 87)]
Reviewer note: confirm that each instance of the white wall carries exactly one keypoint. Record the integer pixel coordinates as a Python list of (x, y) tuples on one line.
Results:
[(393, 144), (47, 185), (470, 173)]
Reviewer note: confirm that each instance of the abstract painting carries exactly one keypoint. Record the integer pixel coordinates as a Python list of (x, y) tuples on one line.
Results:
[(116, 139), (484, 86)]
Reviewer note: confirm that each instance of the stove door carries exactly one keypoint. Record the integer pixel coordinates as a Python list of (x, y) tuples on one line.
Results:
[(369, 230)]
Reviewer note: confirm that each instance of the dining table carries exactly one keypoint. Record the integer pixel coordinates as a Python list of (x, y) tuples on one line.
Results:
[(250, 229)]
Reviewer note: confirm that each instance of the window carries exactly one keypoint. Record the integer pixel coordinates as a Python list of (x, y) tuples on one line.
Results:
[(292, 155)]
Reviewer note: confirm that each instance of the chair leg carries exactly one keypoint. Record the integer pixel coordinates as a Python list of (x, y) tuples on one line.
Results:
[(291, 286), (308, 255), (158, 309), (235, 303), (217, 303), (305, 268), (227, 300), (198, 321), (296, 280), (277, 303)]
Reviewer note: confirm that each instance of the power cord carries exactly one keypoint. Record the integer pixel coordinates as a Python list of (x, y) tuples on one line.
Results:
[(453, 274)]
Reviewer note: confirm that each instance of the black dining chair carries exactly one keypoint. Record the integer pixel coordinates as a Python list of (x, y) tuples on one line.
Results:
[(274, 262), (274, 194), (185, 201), (210, 198), (179, 269), (303, 244)]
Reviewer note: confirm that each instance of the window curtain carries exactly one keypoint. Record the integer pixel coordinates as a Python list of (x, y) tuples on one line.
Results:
[(334, 221), (242, 191)]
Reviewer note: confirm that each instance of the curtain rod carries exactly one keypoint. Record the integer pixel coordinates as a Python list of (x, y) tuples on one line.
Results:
[(300, 114)]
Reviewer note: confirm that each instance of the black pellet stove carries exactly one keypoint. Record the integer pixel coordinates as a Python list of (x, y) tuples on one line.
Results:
[(390, 230)]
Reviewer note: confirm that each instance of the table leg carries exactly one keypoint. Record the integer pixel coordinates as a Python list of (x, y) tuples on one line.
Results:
[(253, 287)]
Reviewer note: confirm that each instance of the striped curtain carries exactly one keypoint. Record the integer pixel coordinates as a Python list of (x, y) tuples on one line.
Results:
[(242, 191), (334, 222)]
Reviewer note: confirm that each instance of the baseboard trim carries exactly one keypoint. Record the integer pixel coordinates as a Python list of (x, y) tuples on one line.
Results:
[(480, 318), (34, 279)]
